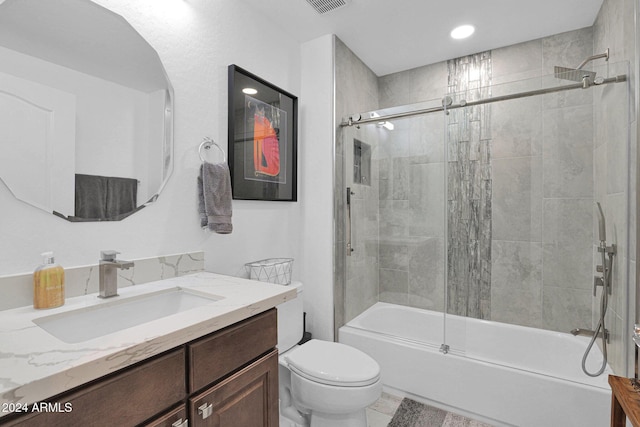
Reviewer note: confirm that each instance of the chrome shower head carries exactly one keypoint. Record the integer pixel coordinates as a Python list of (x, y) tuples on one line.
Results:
[(575, 74)]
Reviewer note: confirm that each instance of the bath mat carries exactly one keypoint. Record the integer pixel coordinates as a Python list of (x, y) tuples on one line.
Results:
[(414, 414)]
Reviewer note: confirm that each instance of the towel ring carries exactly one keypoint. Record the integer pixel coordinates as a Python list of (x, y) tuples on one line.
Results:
[(207, 143)]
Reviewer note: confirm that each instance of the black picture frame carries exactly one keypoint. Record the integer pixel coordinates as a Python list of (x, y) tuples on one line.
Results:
[(263, 139)]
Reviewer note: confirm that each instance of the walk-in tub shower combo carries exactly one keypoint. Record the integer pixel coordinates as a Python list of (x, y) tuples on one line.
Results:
[(486, 242)]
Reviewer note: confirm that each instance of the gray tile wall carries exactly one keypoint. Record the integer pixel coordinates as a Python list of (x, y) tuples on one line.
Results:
[(543, 189), (542, 174)]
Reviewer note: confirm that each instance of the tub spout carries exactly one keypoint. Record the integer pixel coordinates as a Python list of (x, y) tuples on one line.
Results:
[(589, 333)]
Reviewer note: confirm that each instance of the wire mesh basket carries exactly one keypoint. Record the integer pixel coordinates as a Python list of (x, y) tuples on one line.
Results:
[(272, 270)]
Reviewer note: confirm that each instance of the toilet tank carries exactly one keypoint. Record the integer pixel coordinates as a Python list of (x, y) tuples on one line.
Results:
[(290, 321)]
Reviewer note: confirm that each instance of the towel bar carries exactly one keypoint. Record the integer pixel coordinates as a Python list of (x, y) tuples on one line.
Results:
[(207, 143)]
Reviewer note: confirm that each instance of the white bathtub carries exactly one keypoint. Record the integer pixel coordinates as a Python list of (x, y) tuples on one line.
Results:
[(498, 373)]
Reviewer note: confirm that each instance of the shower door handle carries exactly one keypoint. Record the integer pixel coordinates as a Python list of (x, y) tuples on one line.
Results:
[(348, 222)]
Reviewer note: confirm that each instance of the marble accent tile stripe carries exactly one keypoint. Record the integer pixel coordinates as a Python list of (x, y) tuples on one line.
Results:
[(469, 189)]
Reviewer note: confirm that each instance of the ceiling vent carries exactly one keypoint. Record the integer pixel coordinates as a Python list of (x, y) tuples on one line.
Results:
[(324, 6)]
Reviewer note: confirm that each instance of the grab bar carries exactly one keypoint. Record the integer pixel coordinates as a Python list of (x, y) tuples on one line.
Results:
[(348, 227)]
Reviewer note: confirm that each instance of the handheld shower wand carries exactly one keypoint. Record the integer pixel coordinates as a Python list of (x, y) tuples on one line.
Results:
[(604, 281), (601, 226)]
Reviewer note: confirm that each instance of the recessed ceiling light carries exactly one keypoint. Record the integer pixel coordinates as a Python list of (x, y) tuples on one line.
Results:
[(249, 91), (462, 32)]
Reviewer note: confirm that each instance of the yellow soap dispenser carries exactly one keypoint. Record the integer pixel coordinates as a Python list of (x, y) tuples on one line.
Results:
[(48, 283)]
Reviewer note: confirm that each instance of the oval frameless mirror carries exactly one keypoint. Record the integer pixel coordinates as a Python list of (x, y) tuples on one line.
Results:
[(86, 127)]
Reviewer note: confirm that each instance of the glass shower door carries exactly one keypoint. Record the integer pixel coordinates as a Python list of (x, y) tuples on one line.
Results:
[(395, 210), (361, 219)]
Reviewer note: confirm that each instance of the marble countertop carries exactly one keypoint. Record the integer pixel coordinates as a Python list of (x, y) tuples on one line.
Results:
[(35, 365)]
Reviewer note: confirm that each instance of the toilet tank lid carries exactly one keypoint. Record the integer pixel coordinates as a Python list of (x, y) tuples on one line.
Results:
[(333, 363)]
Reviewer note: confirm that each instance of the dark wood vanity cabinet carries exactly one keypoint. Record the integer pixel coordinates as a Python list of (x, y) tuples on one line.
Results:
[(226, 379)]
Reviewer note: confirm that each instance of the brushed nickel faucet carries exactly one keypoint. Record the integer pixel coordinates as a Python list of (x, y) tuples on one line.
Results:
[(109, 266)]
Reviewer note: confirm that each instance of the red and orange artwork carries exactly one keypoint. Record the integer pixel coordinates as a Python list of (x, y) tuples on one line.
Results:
[(266, 148)]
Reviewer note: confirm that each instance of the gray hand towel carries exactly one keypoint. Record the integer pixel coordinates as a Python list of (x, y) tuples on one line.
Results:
[(122, 196), (91, 196), (214, 193), (201, 210)]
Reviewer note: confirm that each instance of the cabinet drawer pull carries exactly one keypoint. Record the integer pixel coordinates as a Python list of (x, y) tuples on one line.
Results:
[(205, 410), (181, 423)]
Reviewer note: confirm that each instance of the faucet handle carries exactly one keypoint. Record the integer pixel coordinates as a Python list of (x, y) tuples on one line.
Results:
[(109, 255)]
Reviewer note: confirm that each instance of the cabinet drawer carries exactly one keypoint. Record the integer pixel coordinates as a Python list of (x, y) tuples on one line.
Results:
[(225, 351), (174, 418), (248, 398), (125, 399)]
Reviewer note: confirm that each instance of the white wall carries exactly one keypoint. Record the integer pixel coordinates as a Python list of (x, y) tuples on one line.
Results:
[(316, 178), (196, 41)]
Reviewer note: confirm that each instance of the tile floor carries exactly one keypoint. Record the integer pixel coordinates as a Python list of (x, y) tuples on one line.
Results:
[(380, 414)]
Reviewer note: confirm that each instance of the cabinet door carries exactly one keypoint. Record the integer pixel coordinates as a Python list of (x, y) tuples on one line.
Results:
[(124, 399), (249, 398)]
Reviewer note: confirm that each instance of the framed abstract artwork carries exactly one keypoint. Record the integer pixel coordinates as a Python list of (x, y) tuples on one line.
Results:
[(263, 128)]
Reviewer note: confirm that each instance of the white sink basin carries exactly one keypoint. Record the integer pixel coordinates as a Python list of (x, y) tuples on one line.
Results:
[(92, 322)]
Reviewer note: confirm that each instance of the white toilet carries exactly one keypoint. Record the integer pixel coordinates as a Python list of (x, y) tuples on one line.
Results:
[(322, 384)]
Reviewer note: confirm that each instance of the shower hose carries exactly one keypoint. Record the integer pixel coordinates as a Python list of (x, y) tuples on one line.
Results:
[(604, 302)]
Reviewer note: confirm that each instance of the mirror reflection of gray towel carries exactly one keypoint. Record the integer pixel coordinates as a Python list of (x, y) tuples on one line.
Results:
[(104, 198), (122, 194), (214, 197), (91, 195)]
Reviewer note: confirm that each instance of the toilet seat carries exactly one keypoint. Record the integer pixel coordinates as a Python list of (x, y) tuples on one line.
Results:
[(333, 363)]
